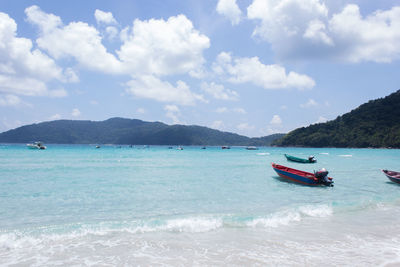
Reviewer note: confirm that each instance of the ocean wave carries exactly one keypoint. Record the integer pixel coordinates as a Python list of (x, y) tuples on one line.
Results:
[(198, 224), (287, 217), (346, 156)]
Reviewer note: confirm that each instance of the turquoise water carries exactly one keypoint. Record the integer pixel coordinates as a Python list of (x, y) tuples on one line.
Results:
[(74, 204)]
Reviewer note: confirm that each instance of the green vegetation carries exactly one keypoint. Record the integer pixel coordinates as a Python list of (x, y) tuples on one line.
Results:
[(127, 131), (373, 124)]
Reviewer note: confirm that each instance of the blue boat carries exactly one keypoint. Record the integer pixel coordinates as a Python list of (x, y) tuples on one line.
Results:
[(302, 177)]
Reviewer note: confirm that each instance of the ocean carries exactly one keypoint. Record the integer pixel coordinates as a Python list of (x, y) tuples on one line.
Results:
[(139, 206)]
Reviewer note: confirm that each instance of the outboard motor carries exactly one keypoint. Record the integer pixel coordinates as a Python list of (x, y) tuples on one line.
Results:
[(311, 159), (322, 176)]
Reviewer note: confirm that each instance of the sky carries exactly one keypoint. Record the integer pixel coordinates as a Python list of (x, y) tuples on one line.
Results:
[(252, 67)]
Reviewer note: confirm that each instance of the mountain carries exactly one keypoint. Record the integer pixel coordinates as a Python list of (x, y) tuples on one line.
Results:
[(127, 131), (373, 124)]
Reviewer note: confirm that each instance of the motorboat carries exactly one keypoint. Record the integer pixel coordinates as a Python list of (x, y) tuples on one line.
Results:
[(310, 159), (36, 145), (302, 177), (392, 175)]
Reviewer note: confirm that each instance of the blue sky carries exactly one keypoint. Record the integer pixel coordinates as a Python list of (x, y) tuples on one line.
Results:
[(253, 67)]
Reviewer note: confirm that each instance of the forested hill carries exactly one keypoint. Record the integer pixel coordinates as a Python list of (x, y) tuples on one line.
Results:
[(127, 131), (373, 124)]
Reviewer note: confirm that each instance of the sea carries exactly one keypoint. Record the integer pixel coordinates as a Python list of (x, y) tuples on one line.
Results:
[(78, 205)]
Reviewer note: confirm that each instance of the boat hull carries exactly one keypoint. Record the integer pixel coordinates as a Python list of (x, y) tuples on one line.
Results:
[(392, 176), (299, 160), (297, 176)]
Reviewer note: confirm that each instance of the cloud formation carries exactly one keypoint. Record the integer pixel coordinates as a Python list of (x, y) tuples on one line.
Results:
[(24, 70), (304, 29), (276, 120), (75, 112), (173, 112), (104, 17), (150, 50), (162, 47), (251, 70), (218, 91), (229, 9), (9, 100), (149, 86)]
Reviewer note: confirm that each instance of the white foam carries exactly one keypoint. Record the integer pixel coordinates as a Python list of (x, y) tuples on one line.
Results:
[(320, 211), (193, 225), (276, 220), (189, 225), (290, 216), (324, 153), (346, 156)]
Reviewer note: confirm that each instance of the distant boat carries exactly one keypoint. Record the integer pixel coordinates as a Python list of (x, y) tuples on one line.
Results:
[(310, 159), (226, 147), (392, 175), (252, 148), (36, 145), (170, 147), (203, 147), (302, 177), (97, 146), (179, 148)]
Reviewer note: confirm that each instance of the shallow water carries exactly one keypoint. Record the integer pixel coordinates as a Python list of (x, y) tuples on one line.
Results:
[(74, 204)]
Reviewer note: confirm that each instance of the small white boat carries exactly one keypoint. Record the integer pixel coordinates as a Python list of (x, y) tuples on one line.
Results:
[(180, 148), (36, 145), (252, 148)]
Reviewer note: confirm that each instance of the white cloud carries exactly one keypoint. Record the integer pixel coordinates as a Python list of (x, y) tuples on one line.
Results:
[(245, 127), (281, 19), (283, 107), (71, 75), (316, 32), (163, 47), (219, 92), (219, 125), (229, 9), (276, 120), (104, 17), (9, 100), (173, 112), (149, 50), (112, 32), (321, 119), (251, 70), (147, 86), (310, 103), (46, 22), (75, 112), (55, 117), (374, 38), (24, 70), (93, 102), (305, 29), (77, 40)]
